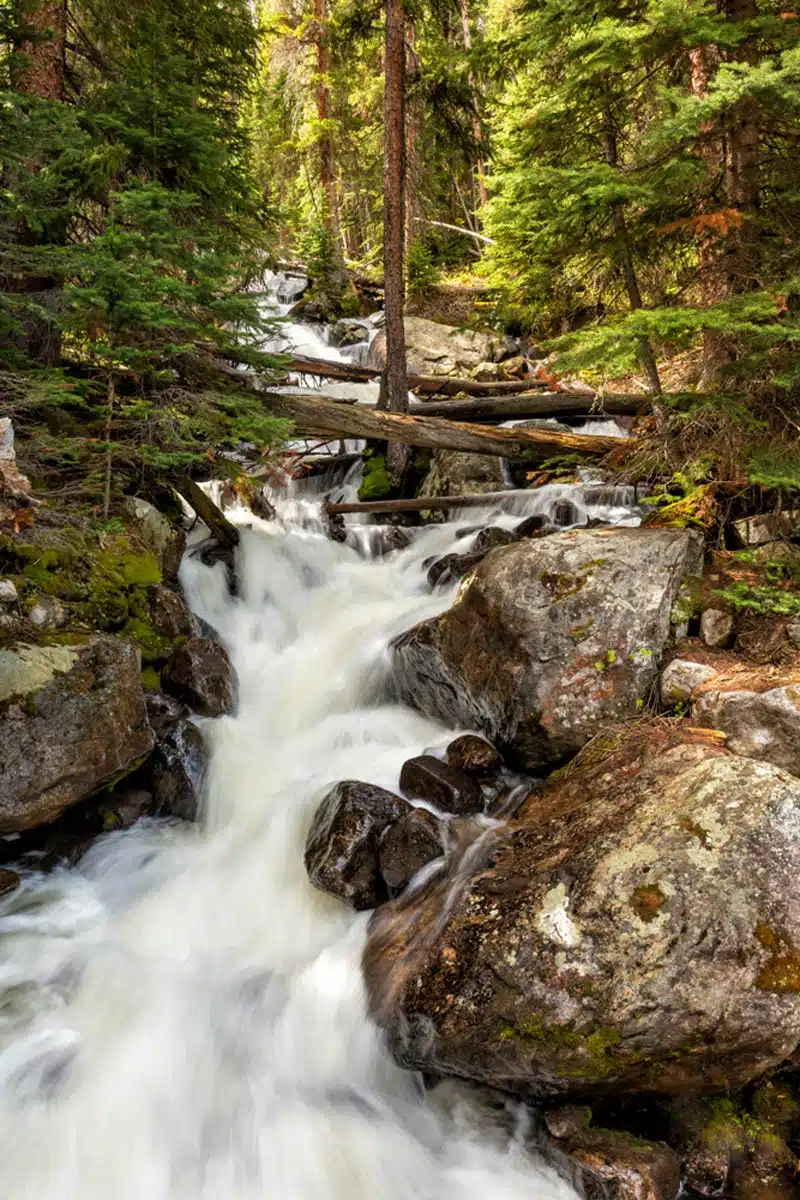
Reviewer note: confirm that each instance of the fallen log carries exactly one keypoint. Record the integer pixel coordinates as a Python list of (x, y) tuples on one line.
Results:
[(422, 503), (548, 404), (431, 385), (218, 524), (322, 415)]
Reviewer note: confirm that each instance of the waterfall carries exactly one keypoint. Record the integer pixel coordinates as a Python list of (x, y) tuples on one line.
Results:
[(183, 1016)]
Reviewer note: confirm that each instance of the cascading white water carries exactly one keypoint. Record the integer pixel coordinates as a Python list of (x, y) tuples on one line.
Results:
[(183, 1016)]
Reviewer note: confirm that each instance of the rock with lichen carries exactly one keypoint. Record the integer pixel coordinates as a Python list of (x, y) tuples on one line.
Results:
[(549, 640), (635, 928), (72, 720)]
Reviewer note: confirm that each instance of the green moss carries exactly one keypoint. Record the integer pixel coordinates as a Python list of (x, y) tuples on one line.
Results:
[(593, 562), (376, 484), (576, 1053), (151, 679), (562, 585), (579, 632)]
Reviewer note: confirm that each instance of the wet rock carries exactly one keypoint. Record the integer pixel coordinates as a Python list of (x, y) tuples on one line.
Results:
[(169, 613), (456, 473), (491, 537), (565, 513), (729, 1152), (716, 627), (177, 771), (157, 533), (348, 332), (680, 678), (72, 719), (124, 808), (761, 724), (408, 845), (163, 712), (388, 539), (635, 929), (440, 784), (768, 527), (342, 848), (549, 640), (8, 592), (474, 756), (451, 567), (200, 674), (47, 613), (607, 1164), (538, 525), (9, 881), (436, 349)]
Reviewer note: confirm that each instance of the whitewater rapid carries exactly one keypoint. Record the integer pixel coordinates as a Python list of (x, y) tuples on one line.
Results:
[(183, 1016)]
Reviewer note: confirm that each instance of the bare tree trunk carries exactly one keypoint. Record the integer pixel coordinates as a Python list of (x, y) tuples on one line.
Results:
[(394, 381), (37, 69), (327, 173), (626, 259), (412, 171), (477, 128), (728, 259)]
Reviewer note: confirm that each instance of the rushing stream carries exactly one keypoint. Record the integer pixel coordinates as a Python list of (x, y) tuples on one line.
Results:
[(182, 1015)]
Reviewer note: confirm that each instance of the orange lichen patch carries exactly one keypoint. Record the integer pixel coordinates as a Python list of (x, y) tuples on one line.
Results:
[(647, 902), (781, 971)]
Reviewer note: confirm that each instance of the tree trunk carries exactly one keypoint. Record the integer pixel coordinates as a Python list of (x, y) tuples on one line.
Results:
[(477, 128), (39, 63), (728, 256), (394, 381), (327, 174), (37, 69), (413, 213), (328, 418), (626, 258)]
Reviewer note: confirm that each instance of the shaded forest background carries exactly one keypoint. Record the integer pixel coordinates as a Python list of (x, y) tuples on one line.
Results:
[(620, 183)]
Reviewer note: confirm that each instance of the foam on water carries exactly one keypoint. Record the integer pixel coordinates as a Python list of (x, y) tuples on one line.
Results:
[(183, 1016)]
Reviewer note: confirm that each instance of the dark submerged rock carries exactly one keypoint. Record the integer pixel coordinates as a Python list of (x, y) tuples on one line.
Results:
[(608, 1164), (474, 755), (177, 771), (408, 845), (440, 784), (342, 848), (200, 674)]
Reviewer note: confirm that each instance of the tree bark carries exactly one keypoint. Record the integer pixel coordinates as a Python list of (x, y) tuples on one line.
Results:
[(431, 385), (37, 69), (477, 127), (728, 258), (412, 216), (327, 173), (394, 381), (626, 257), (39, 63)]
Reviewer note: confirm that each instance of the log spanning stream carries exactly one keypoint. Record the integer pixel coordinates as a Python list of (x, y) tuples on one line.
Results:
[(182, 1015)]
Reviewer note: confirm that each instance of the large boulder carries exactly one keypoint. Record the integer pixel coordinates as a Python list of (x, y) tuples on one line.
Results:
[(72, 720), (549, 640), (456, 473), (759, 713), (342, 853), (436, 349), (637, 928), (200, 674)]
